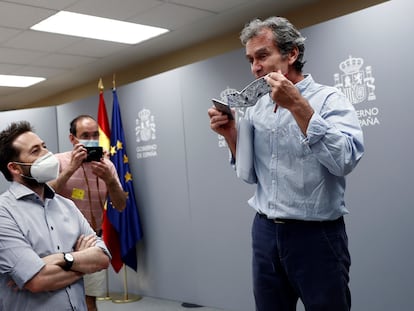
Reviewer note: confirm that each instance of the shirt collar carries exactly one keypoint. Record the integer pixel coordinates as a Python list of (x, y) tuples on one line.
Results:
[(303, 84), (20, 191)]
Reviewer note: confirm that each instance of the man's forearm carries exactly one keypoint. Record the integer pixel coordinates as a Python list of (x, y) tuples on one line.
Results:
[(52, 277), (90, 260), (231, 142), (86, 260), (117, 195)]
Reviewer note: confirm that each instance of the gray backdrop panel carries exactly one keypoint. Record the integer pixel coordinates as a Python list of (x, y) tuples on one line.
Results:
[(221, 218)]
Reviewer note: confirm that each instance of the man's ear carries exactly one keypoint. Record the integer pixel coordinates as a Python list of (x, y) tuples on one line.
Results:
[(14, 168), (72, 139), (293, 55)]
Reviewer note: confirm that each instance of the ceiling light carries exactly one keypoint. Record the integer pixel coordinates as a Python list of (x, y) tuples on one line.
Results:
[(19, 81), (88, 26)]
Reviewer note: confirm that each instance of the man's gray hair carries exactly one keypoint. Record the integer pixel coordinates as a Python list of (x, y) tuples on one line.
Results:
[(286, 36)]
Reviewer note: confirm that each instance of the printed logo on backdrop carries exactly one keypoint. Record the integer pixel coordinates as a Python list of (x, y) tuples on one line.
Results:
[(240, 111), (145, 132), (357, 83)]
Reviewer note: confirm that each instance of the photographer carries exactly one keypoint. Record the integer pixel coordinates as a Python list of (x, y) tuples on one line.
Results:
[(88, 181)]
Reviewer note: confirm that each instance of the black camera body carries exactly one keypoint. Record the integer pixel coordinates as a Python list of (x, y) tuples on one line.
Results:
[(94, 154)]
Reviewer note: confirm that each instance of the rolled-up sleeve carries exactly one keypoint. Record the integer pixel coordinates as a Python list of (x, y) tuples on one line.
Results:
[(335, 135), (17, 258)]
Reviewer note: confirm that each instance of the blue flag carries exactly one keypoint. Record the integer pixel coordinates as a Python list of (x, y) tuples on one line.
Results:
[(127, 222)]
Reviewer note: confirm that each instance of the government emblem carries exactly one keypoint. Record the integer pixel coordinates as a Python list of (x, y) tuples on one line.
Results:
[(145, 126), (355, 82)]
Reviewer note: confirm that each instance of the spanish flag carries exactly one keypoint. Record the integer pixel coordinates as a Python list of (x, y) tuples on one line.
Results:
[(109, 234)]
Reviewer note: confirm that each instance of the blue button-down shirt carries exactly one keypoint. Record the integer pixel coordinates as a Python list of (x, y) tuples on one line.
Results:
[(298, 176), (29, 230)]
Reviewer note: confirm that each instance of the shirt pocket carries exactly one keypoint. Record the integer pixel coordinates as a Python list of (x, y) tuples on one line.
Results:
[(294, 141)]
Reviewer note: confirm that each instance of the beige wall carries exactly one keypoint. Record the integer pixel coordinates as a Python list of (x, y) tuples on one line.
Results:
[(314, 13)]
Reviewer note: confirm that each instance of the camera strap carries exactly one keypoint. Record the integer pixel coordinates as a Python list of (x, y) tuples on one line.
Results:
[(93, 220)]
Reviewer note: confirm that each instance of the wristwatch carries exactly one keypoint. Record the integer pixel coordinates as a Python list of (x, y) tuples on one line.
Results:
[(68, 261)]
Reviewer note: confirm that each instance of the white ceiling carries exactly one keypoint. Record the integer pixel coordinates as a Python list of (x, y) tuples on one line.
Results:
[(68, 62)]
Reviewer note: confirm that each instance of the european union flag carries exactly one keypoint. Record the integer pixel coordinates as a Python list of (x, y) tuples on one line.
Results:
[(126, 223)]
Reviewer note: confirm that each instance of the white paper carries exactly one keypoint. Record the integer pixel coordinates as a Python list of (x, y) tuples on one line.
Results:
[(245, 152)]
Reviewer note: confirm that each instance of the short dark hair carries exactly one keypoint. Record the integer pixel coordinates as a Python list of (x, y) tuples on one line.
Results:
[(8, 152), (74, 122), (285, 36)]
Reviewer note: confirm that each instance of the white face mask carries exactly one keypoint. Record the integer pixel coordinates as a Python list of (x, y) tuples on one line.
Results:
[(44, 169), (89, 142)]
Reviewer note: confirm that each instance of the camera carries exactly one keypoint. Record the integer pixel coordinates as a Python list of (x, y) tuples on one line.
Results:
[(93, 154)]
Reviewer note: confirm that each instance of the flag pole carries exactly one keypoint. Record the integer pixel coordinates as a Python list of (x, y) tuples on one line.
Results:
[(126, 297)]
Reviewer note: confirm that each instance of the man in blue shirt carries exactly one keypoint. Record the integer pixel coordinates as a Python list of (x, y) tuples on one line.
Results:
[(46, 245), (306, 139)]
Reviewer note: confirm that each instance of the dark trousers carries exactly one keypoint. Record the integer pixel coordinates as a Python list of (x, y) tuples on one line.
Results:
[(300, 260)]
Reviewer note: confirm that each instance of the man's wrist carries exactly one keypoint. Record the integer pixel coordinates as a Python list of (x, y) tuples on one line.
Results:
[(68, 261), (111, 182)]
